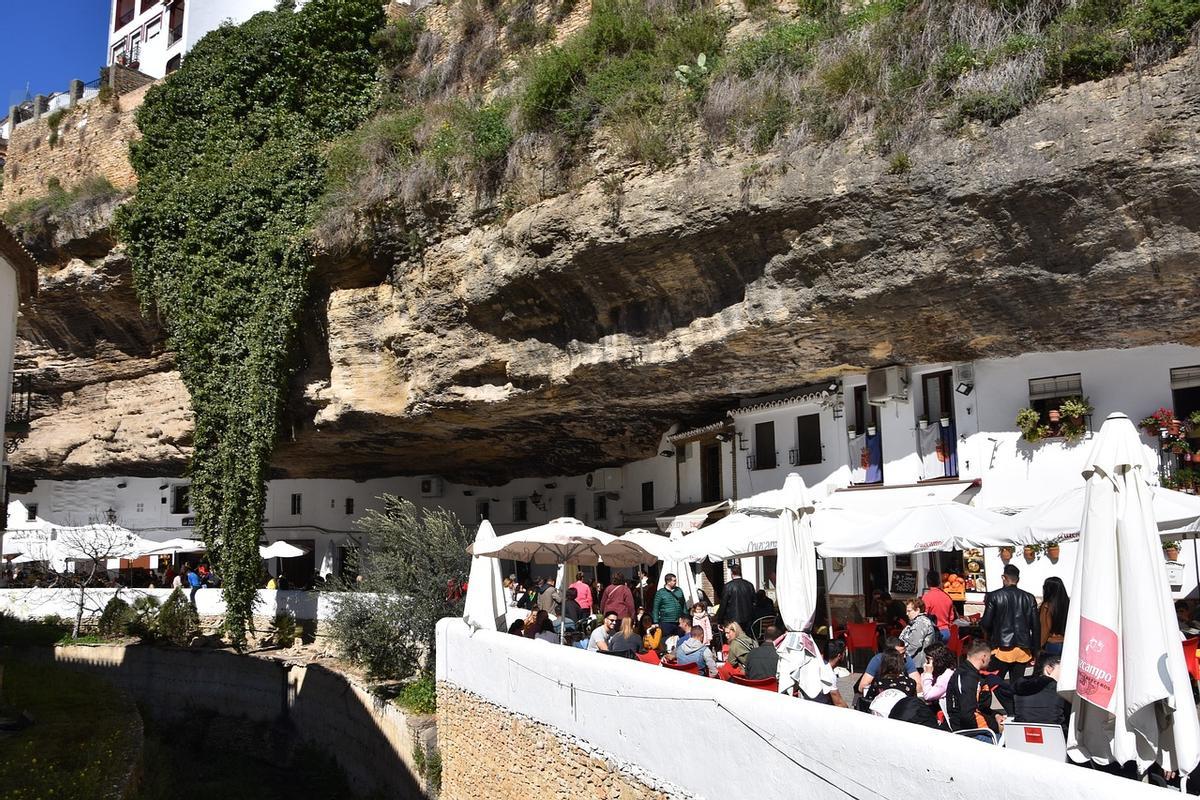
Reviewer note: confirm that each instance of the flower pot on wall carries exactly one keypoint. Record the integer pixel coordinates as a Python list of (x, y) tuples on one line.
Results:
[(1173, 427), (1030, 554), (923, 423), (1052, 551), (1172, 553), (1055, 416), (1006, 554), (945, 422), (870, 430)]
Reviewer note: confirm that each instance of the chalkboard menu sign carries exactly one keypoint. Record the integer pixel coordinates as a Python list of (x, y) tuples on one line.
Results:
[(904, 582)]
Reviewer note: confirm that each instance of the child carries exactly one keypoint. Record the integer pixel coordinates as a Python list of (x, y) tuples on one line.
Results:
[(700, 618)]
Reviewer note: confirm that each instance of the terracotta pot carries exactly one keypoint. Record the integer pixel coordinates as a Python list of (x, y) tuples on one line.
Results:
[(1052, 551), (1173, 428), (1172, 553), (1006, 554), (1030, 554), (1054, 416)]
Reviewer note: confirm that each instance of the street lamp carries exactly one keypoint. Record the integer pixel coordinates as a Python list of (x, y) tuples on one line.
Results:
[(111, 516)]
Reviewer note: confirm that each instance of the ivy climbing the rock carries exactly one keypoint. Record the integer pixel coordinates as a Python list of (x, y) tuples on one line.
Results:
[(231, 161)]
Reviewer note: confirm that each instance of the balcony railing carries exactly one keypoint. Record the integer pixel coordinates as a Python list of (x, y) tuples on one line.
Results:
[(765, 461), (16, 418)]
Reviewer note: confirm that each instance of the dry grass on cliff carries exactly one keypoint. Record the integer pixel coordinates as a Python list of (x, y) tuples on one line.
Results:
[(34, 220), (453, 128)]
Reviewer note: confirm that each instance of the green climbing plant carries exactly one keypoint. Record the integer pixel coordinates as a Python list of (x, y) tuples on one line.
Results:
[(230, 164)]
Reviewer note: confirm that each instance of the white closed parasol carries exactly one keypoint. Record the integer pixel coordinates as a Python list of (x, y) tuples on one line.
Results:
[(1123, 667), (484, 608)]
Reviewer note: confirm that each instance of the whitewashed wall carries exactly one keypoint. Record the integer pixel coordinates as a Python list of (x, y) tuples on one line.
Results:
[(769, 746), (39, 603)]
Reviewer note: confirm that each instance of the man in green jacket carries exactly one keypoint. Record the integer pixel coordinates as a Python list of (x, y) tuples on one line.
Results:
[(668, 607)]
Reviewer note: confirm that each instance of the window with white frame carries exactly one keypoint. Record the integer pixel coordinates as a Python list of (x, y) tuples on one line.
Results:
[(180, 499), (31, 512), (154, 27), (520, 509), (648, 496), (296, 504), (569, 505), (483, 510), (1185, 391)]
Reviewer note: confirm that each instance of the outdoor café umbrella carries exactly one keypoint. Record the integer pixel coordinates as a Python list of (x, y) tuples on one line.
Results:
[(796, 592), (280, 550), (173, 546), (1058, 518), (484, 607), (1123, 667), (558, 541), (920, 529)]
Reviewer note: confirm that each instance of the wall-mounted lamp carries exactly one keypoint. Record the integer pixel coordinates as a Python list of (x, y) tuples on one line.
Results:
[(111, 516), (742, 441), (164, 486), (667, 453), (122, 485), (964, 388), (538, 501), (550, 485), (724, 436), (467, 492)]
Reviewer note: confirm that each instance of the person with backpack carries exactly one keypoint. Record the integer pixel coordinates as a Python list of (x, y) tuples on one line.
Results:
[(920, 633), (668, 606)]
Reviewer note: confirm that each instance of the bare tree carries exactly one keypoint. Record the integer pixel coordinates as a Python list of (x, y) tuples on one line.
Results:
[(85, 552)]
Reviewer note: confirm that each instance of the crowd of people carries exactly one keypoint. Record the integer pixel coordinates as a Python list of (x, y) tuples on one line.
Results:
[(915, 676)]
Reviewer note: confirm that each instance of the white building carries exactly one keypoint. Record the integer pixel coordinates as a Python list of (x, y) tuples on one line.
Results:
[(867, 443), (18, 280), (153, 36)]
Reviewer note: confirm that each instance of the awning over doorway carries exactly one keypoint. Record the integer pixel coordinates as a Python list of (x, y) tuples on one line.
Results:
[(687, 517), (890, 499)]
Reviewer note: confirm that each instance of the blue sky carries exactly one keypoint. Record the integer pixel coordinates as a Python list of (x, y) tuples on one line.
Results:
[(46, 43)]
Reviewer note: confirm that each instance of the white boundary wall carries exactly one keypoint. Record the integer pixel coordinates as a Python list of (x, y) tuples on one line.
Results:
[(717, 740), (38, 603)]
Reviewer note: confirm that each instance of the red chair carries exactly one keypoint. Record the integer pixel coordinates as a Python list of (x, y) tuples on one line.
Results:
[(974, 618), (770, 684), (957, 644), (861, 636), (1189, 656), (649, 657), (692, 668)]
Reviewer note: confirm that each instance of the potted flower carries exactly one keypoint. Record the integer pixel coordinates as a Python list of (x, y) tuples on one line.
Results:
[(1031, 552), (1029, 421), (1171, 550), (1006, 554), (1055, 415), (923, 422), (1074, 412), (1159, 421), (945, 422), (1052, 552), (870, 430)]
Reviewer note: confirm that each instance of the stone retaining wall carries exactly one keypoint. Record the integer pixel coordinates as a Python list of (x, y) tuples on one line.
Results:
[(492, 752), (373, 740)]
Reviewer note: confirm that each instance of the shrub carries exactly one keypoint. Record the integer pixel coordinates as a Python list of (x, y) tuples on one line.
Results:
[(285, 629), (387, 624), (993, 108), (786, 47), (419, 695), (899, 164), (115, 617), (55, 118), (145, 613), (177, 621)]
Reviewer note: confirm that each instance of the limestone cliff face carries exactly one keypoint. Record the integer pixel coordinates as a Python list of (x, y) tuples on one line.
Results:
[(571, 334)]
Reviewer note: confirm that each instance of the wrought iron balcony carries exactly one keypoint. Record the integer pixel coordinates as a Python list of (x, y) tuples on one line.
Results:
[(16, 418)]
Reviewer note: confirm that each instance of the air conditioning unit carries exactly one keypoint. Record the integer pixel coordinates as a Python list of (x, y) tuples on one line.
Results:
[(432, 486), (604, 480), (888, 383)]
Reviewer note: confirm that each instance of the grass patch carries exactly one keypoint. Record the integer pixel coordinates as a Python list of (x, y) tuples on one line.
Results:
[(34, 220), (65, 755)]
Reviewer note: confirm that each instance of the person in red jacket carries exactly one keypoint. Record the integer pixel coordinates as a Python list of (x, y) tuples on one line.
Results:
[(617, 598), (938, 604)]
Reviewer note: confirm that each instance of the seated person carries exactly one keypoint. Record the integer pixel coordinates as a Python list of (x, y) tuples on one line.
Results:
[(915, 710), (571, 611), (692, 650), (893, 645), (763, 661), (684, 625), (968, 702), (546, 631), (1036, 698), (1187, 625), (652, 637), (835, 655), (740, 645), (939, 669), (626, 640), (891, 675), (603, 633), (517, 628)]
